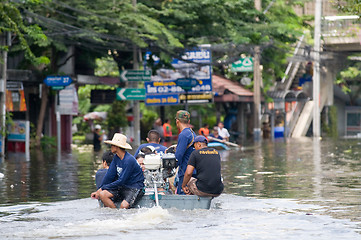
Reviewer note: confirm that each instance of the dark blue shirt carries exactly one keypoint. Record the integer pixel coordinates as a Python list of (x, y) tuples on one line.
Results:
[(158, 148), (123, 172), (99, 176), (184, 149)]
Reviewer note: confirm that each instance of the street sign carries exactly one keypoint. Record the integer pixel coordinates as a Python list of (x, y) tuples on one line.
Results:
[(196, 98), (130, 93), (57, 88), (169, 87), (57, 81), (243, 65), (186, 83), (162, 100), (135, 75)]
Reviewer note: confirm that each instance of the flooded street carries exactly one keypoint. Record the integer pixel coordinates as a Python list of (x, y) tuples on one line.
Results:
[(302, 189)]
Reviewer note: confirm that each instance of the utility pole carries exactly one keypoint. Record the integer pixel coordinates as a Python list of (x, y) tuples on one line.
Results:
[(136, 109), (257, 86), (5, 41), (316, 70)]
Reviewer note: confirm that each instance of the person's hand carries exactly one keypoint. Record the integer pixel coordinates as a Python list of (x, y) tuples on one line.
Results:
[(186, 190), (95, 195)]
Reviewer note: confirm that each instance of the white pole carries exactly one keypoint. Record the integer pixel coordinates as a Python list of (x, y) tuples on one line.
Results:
[(316, 70), (58, 122), (6, 41)]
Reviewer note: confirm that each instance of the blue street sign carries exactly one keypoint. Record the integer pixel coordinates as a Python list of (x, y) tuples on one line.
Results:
[(57, 81), (170, 87), (162, 100), (186, 83)]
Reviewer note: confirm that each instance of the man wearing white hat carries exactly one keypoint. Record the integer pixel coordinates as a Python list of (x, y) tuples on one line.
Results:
[(124, 180)]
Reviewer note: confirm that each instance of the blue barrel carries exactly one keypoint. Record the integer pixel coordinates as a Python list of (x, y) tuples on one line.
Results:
[(279, 132)]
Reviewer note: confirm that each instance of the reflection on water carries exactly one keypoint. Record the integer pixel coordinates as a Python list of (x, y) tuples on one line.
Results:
[(326, 173)]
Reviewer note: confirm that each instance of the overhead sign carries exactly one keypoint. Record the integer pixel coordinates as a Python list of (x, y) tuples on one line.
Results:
[(192, 72), (57, 81), (186, 83), (130, 93), (135, 75), (168, 87), (243, 65), (162, 100), (196, 98), (195, 63)]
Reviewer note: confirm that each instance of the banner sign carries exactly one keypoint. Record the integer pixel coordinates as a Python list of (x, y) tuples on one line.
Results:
[(68, 99), (192, 72)]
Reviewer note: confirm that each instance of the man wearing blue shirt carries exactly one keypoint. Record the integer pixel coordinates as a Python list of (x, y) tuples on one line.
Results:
[(124, 179), (184, 145), (153, 140)]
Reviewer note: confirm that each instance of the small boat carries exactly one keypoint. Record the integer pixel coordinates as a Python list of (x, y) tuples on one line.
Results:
[(218, 146), (182, 202)]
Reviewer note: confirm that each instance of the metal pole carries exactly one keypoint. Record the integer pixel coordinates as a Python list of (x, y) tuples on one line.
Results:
[(136, 109), (5, 41), (58, 122), (257, 86), (316, 70)]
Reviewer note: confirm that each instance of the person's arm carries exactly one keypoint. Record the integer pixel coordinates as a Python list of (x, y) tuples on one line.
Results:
[(181, 148), (187, 177), (227, 135)]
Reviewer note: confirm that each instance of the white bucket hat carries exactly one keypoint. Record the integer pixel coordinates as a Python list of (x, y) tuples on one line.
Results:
[(98, 126), (119, 140)]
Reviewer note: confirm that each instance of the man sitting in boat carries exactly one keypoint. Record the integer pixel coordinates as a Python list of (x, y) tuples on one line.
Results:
[(214, 136), (153, 140), (124, 180), (207, 163)]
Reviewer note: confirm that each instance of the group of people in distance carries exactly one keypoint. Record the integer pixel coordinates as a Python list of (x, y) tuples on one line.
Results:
[(199, 167)]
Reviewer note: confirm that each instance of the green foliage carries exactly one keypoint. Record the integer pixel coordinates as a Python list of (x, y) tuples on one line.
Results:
[(116, 117), (331, 128), (350, 80), (25, 34), (106, 66), (48, 143)]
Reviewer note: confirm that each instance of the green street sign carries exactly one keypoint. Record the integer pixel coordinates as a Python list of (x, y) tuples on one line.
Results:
[(130, 94), (135, 75), (57, 88), (243, 65)]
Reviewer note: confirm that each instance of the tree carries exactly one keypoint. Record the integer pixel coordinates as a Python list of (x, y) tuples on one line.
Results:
[(24, 33)]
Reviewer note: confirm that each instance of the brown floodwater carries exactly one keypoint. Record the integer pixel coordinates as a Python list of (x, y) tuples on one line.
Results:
[(326, 173)]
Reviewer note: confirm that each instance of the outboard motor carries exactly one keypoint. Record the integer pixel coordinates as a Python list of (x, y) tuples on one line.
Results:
[(158, 168)]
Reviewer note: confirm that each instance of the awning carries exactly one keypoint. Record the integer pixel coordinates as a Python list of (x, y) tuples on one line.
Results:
[(226, 90)]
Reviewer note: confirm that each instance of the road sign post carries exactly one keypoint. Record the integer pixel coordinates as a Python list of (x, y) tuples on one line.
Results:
[(186, 84), (130, 94), (243, 65), (58, 83), (135, 75)]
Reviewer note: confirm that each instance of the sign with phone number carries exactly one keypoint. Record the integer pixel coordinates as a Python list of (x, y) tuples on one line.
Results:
[(169, 87)]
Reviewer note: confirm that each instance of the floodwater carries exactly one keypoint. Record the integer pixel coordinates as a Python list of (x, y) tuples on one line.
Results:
[(299, 189)]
